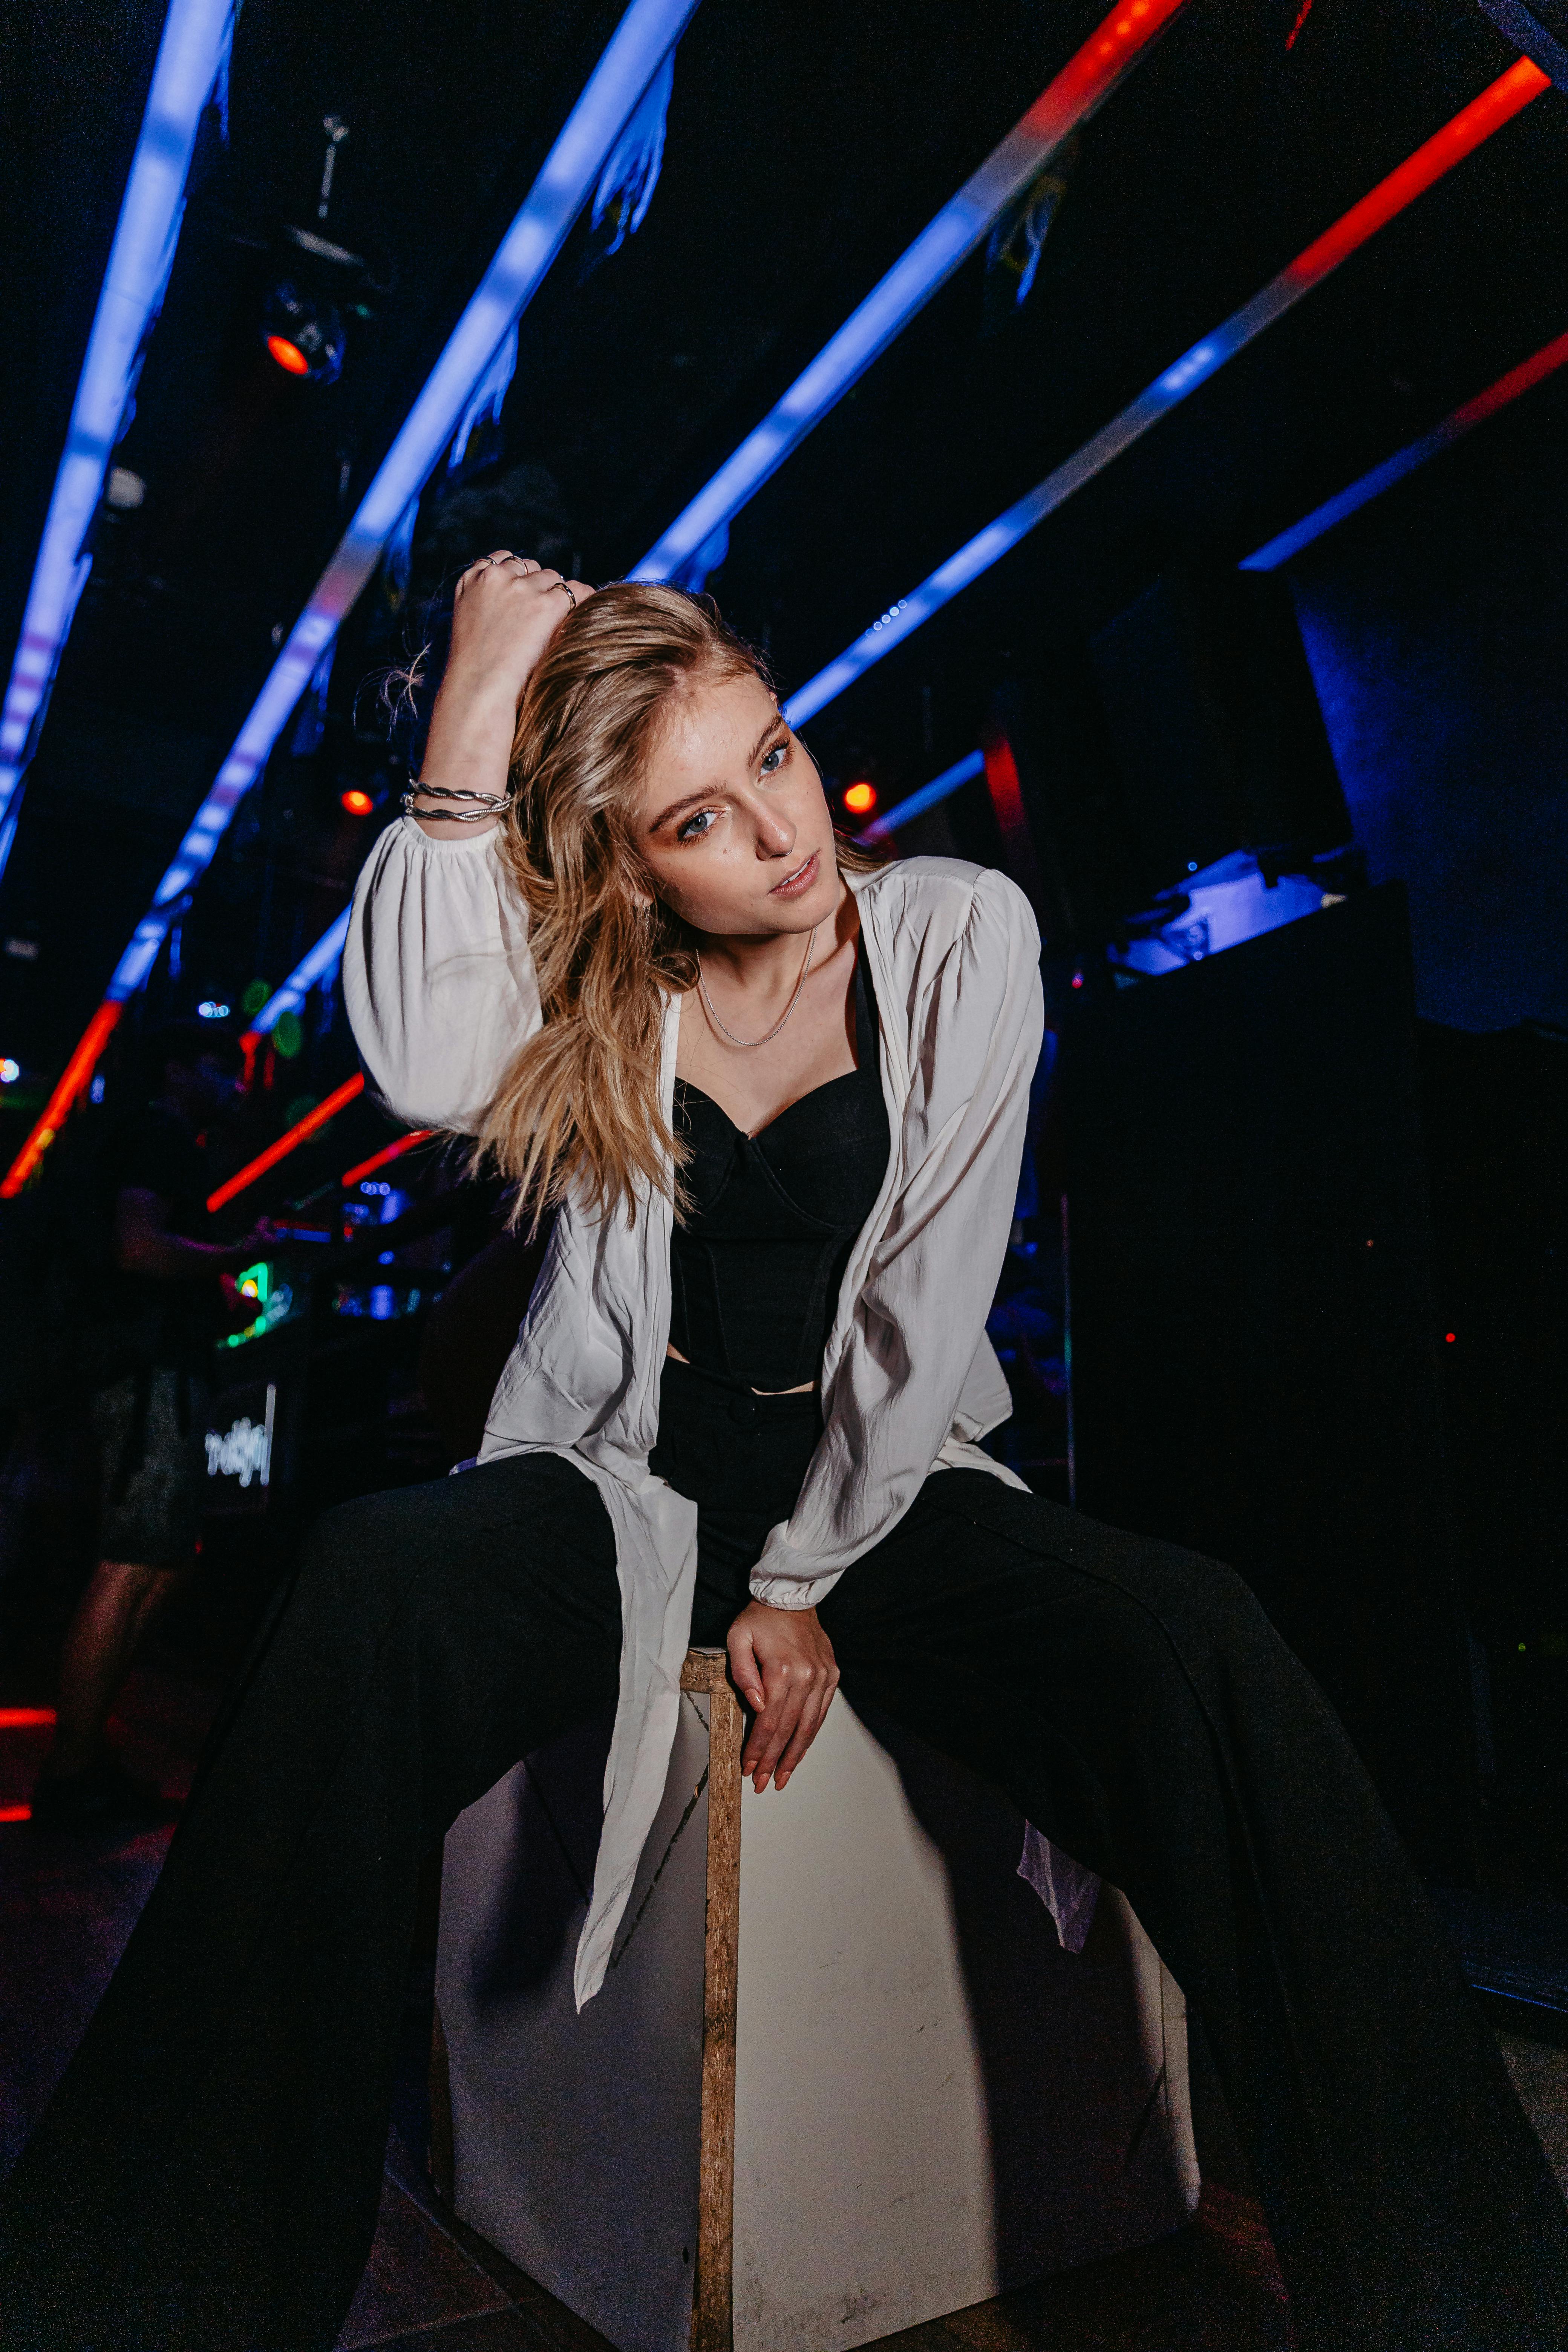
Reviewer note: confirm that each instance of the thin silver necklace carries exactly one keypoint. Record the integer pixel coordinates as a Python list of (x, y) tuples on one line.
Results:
[(750, 1044)]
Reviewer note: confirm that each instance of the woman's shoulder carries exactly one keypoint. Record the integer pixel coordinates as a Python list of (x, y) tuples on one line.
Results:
[(938, 900)]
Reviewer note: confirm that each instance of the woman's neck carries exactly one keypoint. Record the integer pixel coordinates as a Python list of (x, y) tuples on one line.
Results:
[(767, 964)]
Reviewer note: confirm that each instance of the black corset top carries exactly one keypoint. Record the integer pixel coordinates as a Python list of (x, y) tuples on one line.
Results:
[(756, 1267)]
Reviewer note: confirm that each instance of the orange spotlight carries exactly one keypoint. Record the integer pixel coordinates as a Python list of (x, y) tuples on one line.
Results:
[(357, 804), (288, 356), (860, 799)]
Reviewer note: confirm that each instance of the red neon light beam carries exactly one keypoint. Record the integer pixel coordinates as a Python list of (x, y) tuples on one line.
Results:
[(339, 1100), (73, 1079), (1470, 128), (381, 1159)]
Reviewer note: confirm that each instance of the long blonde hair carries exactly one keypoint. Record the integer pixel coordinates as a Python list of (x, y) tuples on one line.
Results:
[(579, 1109)]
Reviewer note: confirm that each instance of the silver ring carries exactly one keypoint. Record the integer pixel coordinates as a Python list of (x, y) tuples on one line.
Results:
[(566, 593)]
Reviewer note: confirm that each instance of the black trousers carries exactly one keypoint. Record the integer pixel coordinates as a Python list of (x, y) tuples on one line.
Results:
[(208, 2176)]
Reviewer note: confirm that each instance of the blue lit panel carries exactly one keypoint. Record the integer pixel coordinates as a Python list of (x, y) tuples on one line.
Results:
[(646, 33), (195, 34)]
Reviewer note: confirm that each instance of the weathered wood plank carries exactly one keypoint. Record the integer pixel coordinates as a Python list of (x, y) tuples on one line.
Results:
[(712, 2316)]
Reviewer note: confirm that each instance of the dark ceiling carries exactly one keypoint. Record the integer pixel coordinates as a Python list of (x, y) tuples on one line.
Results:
[(806, 146)]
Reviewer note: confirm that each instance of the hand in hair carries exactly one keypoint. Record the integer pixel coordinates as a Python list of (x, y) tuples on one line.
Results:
[(784, 1668), (506, 610)]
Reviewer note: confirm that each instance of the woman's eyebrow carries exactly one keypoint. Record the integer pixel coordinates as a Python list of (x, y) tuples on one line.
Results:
[(772, 726), (692, 800), (695, 800)]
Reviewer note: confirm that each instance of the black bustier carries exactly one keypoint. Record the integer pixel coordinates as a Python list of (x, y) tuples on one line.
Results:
[(756, 1267)]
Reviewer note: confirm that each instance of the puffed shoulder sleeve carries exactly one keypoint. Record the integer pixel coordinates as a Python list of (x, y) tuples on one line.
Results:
[(437, 980), (920, 1317)]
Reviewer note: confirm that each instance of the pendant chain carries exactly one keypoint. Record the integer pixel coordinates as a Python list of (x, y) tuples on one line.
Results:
[(750, 1044)]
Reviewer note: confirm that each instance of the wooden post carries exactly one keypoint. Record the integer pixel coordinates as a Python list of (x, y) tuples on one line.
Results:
[(711, 2317)]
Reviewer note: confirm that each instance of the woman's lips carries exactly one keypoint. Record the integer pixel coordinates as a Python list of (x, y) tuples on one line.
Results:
[(794, 884)]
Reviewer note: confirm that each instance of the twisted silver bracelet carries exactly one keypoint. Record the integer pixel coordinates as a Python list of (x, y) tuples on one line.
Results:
[(489, 804)]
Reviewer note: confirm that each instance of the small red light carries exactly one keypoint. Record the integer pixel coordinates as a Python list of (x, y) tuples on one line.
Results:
[(288, 356), (1078, 979), (357, 804), (860, 799), (1451, 1337)]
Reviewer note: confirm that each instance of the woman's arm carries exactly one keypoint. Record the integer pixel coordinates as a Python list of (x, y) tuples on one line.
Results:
[(437, 979), (919, 1318), (505, 610)]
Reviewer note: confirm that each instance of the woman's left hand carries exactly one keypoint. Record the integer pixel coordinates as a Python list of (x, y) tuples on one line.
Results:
[(784, 1668)]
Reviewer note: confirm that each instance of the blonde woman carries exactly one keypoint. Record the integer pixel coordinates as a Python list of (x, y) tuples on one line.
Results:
[(774, 1099)]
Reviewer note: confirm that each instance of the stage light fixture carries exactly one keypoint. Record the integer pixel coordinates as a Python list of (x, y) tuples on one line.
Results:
[(1084, 83), (1432, 160), (10, 1071), (303, 336), (860, 799), (195, 35), (211, 1009), (357, 803), (1507, 388), (647, 31)]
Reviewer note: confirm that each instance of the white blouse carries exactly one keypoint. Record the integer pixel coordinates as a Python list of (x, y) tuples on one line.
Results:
[(440, 990)]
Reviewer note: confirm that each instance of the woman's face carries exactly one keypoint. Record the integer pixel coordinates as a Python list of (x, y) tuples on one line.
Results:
[(733, 822)]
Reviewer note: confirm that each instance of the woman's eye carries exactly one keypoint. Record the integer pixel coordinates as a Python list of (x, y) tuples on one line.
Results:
[(696, 826), (773, 761)]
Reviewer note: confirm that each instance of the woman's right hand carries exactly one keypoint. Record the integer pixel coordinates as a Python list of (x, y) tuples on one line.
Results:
[(506, 610)]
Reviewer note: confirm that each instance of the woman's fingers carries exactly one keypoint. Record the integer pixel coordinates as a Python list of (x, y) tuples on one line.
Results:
[(796, 1698), (783, 1666), (813, 1716), (745, 1671)]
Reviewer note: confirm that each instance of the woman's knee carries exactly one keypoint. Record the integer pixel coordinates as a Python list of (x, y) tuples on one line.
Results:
[(373, 1547)]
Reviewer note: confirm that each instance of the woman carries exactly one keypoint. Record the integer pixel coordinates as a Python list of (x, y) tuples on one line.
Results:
[(777, 1099)]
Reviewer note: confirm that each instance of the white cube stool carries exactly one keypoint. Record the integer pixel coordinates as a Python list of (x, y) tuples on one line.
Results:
[(841, 2078)]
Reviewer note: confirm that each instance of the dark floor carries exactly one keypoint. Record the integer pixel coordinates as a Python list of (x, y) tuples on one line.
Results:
[(68, 1903)]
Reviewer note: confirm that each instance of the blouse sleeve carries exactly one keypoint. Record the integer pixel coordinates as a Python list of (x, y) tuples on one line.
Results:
[(920, 1319), (437, 980)]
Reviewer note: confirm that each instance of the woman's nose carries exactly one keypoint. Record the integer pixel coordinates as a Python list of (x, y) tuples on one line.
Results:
[(775, 834)]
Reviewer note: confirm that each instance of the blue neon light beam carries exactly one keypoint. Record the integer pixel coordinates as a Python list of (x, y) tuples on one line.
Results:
[(1084, 83), (646, 33), (195, 34), (941, 788), (1437, 155), (310, 972), (1349, 501)]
